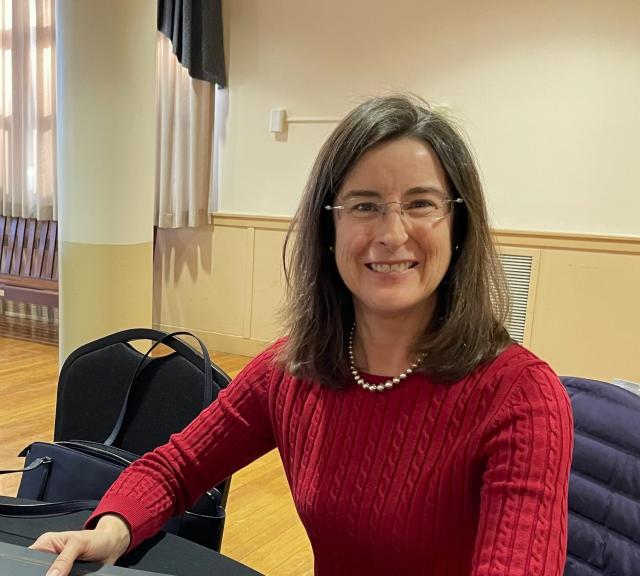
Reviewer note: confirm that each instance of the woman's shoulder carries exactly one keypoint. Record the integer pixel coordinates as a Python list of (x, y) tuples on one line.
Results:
[(517, 368), (265, 363), (265, 371), (516, 358)]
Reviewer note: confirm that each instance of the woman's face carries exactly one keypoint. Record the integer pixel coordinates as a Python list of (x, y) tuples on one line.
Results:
[(393, 263)]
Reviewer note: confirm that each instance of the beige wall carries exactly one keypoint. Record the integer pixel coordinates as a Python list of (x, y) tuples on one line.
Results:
[(548, 92), (224, 282), (584, 315)]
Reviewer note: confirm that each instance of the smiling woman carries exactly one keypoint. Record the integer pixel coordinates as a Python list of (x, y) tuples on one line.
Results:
[(404, 191), (416, 437)]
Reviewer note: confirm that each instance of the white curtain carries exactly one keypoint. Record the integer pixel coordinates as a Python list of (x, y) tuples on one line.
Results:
[(184, 149), (27, 109)]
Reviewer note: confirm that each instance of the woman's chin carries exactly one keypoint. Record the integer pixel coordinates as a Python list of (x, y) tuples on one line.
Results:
[(392, 307)]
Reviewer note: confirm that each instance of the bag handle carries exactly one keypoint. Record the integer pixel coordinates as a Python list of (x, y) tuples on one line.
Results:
[(46, 508), (208, 379), (67, 507), (35, 464)]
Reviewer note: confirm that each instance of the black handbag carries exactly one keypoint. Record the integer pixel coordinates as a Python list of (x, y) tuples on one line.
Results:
[(68, 476)]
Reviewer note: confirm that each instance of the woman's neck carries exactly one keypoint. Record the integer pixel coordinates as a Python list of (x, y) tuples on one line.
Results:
[(382, 345)]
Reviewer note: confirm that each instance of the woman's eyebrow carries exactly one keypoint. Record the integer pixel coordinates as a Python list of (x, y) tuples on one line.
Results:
[(361, 194), (424, 190), (416, 190)]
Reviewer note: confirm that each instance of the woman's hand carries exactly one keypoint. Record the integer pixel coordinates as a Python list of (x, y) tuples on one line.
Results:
[(105, 544)]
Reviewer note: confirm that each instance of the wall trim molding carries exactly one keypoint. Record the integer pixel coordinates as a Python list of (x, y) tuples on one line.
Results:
[(569, 241), (518, 238), (251, 221), (221, 342)]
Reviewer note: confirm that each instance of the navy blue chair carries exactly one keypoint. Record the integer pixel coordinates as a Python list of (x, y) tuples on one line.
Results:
[(604, 486)]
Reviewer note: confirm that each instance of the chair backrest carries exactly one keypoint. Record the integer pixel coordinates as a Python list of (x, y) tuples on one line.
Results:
[(29, 260), (168, 392), (28, 248), (604, 486)]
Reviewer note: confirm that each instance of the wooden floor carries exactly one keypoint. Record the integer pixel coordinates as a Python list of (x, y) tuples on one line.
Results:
[(262, 528)]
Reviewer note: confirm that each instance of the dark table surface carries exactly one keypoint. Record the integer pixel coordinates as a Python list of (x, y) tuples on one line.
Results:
[(163, 553)]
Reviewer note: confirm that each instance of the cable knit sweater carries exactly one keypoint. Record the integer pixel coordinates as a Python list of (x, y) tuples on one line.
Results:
[(462, 479)]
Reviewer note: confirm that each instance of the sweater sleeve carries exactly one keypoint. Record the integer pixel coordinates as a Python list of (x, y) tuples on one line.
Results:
[(522, 528), (229, 434)]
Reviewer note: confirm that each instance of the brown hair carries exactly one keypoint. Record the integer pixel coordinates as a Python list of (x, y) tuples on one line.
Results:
[(468, 326)]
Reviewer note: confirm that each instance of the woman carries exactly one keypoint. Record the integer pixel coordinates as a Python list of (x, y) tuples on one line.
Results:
[(417, 438)]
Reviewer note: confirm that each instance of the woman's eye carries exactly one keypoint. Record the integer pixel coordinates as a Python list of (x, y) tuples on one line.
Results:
[(365, 207), (421, 204)]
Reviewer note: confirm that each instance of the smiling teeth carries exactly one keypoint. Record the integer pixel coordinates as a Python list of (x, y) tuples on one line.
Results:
[(401, 267)]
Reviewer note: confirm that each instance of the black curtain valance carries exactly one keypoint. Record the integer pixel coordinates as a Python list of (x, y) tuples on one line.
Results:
[(195, 30)]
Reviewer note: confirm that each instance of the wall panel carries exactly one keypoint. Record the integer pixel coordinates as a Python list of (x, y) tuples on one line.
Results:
[(587, 315), (268, 284), (201, 277)]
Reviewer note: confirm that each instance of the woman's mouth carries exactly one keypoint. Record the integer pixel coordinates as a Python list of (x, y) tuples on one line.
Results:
[(393, 267)]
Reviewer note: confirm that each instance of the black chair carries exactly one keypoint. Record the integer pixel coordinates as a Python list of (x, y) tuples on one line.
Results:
[(604, 485), (169, 391)]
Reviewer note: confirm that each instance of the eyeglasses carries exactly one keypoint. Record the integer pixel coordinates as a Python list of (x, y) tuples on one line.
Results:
[(431, 208)]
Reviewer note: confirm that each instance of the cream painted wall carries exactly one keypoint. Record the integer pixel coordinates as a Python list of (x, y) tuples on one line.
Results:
[(224, 283), (548, 92), (585, 316)]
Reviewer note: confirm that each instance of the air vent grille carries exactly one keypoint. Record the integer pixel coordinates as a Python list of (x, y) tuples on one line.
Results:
[(517, 269)]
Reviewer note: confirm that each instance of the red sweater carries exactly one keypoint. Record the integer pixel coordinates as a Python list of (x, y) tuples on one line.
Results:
[(462, 479)]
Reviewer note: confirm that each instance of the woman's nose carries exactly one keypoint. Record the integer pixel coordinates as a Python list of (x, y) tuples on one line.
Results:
[(392, 230)]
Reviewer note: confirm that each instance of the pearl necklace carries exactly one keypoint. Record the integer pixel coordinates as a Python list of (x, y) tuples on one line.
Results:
[(360, 381)]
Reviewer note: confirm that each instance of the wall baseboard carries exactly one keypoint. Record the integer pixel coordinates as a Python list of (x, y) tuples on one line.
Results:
[(222, 342)]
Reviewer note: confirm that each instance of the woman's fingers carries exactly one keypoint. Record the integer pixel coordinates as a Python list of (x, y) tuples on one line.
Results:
[(44, 543), (63, 564), (69, 546), (51, 542), (105, 544)]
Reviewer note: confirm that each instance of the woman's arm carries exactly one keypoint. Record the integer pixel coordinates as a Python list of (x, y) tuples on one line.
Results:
[(227, 435), (523, 515), (233, 431)]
